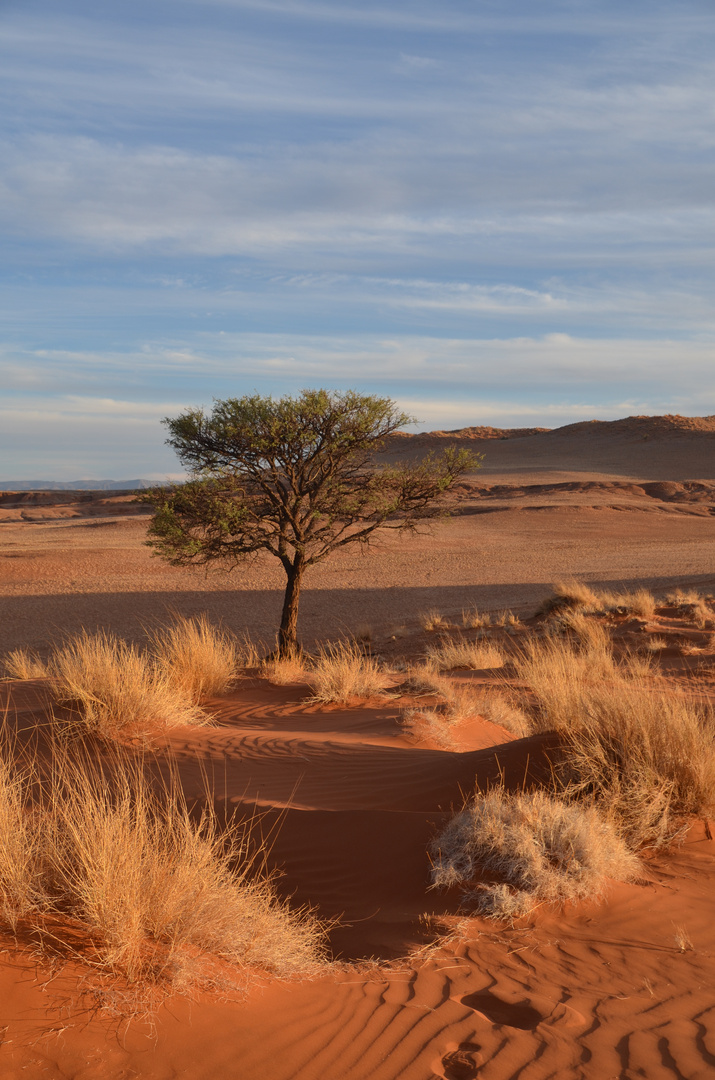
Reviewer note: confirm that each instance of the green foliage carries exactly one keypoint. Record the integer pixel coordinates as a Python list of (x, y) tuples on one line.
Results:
[(295, 477)]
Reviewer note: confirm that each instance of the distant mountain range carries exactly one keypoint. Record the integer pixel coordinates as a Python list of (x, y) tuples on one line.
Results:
[(75, 485)]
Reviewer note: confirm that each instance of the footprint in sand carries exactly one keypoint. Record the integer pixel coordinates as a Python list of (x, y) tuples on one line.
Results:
[(462, 1063), (516, 1015)]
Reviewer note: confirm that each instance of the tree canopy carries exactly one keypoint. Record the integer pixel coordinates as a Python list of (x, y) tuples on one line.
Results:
[(295, 477)]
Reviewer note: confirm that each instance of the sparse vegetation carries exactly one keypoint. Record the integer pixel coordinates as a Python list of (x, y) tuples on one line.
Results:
[(537, 846), (153, 886), (196, 656), (284, 670), (341, 671), (432, 620), (473, 619), (645, 752), (296, 478), (24, 664), (117, 690), (451, 653)]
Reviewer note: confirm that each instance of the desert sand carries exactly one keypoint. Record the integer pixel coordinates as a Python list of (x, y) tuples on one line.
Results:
[(422, 990)]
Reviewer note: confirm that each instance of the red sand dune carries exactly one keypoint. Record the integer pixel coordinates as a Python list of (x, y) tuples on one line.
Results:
[(349, 804), (598, 990)]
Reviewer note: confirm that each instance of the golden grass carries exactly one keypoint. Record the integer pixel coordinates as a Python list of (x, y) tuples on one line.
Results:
[(282, 670), (21, 847), (196, 656), (473, 619), (577, 596), (341, 671), (151, 885), (569, 594), (645, 751), (431, 725), (118, 690), (450, 653), (538, 847), (24, 664), (157, 890), (432, 620)]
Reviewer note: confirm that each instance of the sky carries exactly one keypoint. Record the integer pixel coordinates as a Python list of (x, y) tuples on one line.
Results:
[(492, 212)]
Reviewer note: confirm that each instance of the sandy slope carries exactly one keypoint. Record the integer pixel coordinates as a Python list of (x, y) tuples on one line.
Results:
[(596, 991), (349, 803)]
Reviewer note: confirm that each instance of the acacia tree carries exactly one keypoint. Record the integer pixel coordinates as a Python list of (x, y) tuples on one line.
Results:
[(295, 477)]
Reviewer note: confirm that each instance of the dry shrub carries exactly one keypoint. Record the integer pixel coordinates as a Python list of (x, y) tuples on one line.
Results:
[(646, 752), (24, 664), (432, 620), (200, 658), (152, 886), (683, 597), (640, 602), (431, 725), (473, 619), (119, 691), (591, 635), (570, 594), (507, 619), (282, 670), (21, 847), (449, 654), (538, 846), (500, 709), (341, 671), (655, 644), (363, 634)]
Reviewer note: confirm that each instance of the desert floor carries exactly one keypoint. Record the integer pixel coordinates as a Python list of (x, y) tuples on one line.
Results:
[(620, 988)]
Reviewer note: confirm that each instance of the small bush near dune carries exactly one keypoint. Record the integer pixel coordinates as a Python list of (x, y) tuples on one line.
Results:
[(21, 848), (151, 885), (117, 689), (157, 890), (473, 619), (282, 670), (449, 654), (537, 846), (645, 751), (200, 658), (430, 725), (24, 664), (432, 620), (341, 671), (569, 594)]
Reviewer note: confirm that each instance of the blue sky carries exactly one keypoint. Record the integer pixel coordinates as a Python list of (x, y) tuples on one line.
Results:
[(494, 212)]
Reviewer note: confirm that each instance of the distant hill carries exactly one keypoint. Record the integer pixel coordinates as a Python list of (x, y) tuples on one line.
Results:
[(75, 485)]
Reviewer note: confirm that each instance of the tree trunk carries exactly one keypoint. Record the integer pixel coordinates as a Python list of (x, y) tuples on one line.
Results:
[(288, 633)]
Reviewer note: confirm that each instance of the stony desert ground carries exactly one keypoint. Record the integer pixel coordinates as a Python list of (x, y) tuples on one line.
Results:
[(350, 800)]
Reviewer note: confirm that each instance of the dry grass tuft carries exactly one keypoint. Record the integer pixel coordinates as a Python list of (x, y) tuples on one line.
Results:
[(582, 628), (569, 594), (24, 664), (507, 619), (640, 602), (646, 752), (363, 634), (449, 654), (500, 709), (199, 658), (119, 691), (155, 888), (539, 848), (21, 847), (283, 670), (432, 620), (431, 725), (473, 619), (151, 885), (341, 671)]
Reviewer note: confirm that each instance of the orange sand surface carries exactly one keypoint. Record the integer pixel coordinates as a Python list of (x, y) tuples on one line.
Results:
[(349, 803)]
